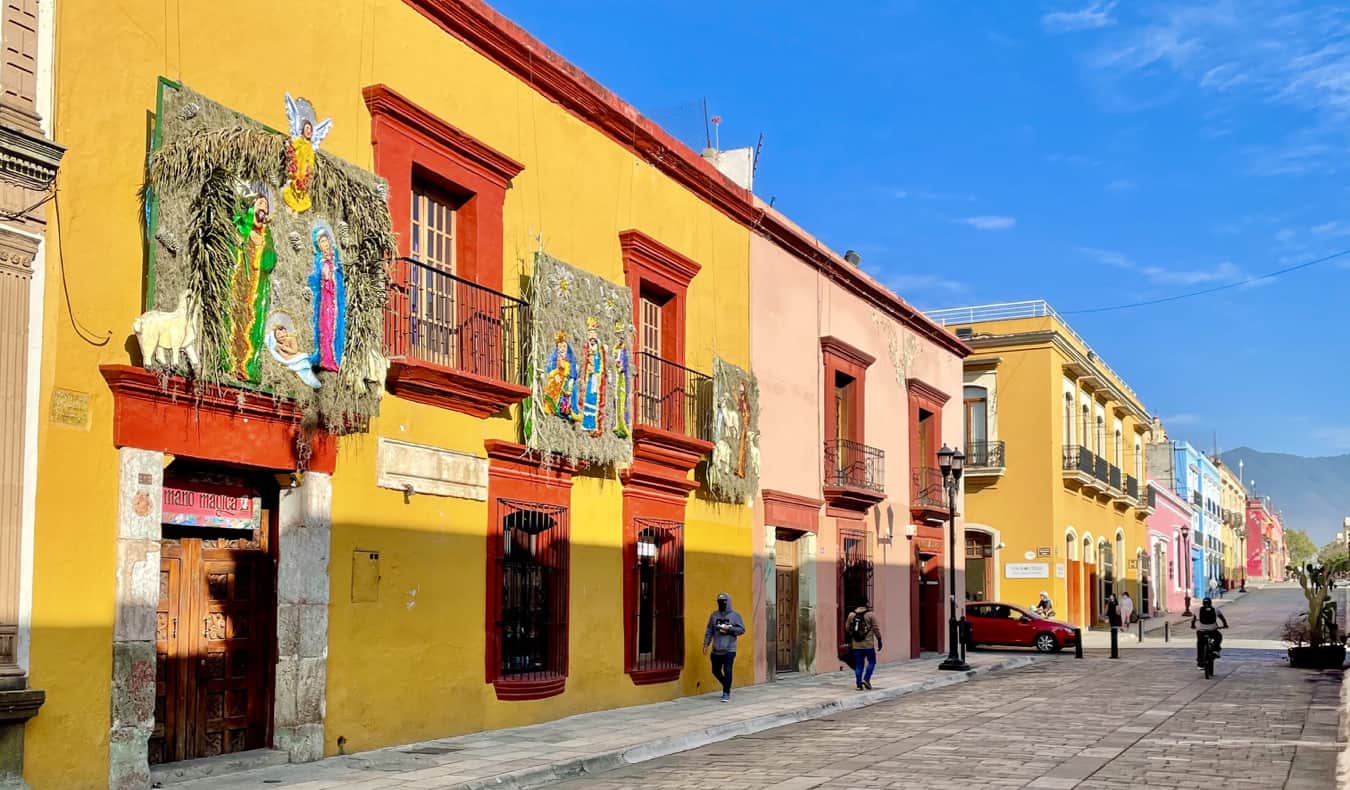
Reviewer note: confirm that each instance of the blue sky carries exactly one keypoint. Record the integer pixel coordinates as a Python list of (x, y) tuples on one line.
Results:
[(1090, 154)]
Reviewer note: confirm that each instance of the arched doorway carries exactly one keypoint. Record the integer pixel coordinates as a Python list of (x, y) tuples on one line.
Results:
[(1090, 581), (980, 565), (1106, 578)]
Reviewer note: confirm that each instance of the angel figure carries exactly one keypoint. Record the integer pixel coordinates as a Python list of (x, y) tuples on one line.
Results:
[(301, 154)]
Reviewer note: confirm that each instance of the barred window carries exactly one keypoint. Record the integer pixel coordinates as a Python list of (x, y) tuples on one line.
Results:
[(658, 596), (531, 627)]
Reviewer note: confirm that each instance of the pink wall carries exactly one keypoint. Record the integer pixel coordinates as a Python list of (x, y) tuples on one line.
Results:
[(1165, 524), (792, 307)]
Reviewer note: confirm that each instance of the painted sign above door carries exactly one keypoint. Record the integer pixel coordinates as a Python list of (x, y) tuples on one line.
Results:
[(1027, 570), (216, 506)]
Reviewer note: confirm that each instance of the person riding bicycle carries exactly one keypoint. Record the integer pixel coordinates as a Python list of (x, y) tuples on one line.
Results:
[(1208, 618)]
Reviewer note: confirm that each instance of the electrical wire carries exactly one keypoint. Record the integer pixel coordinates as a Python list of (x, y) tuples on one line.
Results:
[(1214, 289)]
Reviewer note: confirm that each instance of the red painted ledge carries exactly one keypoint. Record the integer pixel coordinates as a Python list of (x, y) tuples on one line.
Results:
[(220, 424), (662, 460), (851, 499), (650, 677), (456, 390), (525, 690)]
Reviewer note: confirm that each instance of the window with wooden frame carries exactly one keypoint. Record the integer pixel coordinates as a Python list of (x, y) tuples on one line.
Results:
[(654, 549), (453, 338), (532, 579), (977, 418)]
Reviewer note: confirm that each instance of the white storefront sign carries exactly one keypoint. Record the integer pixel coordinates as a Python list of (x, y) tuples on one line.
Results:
[(1027, 570)]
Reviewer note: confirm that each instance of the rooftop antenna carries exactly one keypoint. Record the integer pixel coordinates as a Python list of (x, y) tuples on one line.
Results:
[(754, 162), (717, 131), (707, 133)]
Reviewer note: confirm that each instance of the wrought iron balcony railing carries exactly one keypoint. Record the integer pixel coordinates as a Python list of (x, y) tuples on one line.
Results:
[(1196, 499), (927, 489), (1101, 469), (1132, 487), (674, 398), (850, 464), (1113, 477), (443, 320), (984, 455), (1079, 459), (1152, 499)]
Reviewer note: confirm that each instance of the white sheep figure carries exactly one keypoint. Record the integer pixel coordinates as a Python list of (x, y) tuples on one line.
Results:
[(165, 335)]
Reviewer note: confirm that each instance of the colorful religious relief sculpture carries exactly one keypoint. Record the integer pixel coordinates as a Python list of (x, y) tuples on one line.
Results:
[(293, 263), (302, 152), (250, 284), (593, 394), (330, 299), (580, 323), (733, 475), (560, 379), (622, 383), (284, 345)]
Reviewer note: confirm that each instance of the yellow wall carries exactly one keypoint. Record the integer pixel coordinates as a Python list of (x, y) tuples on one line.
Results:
[(1029, 505), (409, 666)]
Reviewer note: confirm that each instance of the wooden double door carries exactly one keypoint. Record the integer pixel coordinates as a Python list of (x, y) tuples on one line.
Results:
[(214, 645), (787, 605), (930, 603)]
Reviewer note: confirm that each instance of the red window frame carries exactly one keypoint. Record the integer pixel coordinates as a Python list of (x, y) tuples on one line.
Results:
[(838, 357), (665, 576), (924, 397), (515, 482), (648, 503), (658, 274)]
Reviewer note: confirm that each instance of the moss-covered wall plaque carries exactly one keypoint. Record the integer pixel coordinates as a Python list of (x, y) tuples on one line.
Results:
[(733, 474), (581, 405), (269, 259)]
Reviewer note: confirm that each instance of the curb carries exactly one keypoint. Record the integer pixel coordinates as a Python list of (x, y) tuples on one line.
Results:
[(662, 747)]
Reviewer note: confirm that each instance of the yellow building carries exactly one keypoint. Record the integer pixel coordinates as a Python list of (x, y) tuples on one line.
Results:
[(1233, 501), (252, 545), (1055, 463)]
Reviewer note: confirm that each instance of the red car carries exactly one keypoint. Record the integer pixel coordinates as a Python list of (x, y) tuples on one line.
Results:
[(1004, 624)]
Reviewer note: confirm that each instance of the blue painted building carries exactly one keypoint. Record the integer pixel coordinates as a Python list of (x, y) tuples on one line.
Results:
[(1194, 478)]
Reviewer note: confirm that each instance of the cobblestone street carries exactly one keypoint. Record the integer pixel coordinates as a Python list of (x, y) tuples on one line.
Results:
[(1148, 719)]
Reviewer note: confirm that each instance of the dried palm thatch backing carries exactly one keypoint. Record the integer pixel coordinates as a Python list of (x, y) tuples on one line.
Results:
[(724, 482), (562, 298), (205, 150)]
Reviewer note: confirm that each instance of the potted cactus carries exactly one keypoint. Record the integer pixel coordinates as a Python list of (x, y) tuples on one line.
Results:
[(1317, 641)]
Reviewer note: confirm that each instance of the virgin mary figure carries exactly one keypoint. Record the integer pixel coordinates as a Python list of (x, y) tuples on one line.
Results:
[(330, 300)]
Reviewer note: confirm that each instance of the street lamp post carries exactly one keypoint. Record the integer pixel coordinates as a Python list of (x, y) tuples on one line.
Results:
[(1242, 541), (951, 463), (1187, 566)]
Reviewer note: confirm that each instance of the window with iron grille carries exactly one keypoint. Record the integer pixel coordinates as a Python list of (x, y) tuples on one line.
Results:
[(855, 575), (658, 590), (532, 569)]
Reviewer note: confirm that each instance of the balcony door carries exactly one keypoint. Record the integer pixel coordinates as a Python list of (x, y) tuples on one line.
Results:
[(977, 425)]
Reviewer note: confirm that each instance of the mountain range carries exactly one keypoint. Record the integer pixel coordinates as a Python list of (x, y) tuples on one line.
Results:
[(1312, 494)]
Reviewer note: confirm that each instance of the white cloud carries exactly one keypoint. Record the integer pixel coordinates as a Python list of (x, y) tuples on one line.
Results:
[(1285, 235), (1077, 160), (1181, 419), (1220, 273), (990, 222), (1333, 228), (1108, 257), (909, 283), (1094, 16), (927, 194), (1120, 185)]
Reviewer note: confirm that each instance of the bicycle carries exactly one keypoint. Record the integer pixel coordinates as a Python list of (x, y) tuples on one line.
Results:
[(1207, 652)]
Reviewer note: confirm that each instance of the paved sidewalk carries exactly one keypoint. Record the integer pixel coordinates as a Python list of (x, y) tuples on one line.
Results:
[(601, 741)]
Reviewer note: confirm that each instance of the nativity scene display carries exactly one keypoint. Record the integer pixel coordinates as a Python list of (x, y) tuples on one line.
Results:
[(268, 259), (581, 406)]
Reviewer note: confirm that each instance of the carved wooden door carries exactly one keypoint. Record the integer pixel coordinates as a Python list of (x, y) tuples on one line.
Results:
[(234, 649), (786, 613), (214, 647)]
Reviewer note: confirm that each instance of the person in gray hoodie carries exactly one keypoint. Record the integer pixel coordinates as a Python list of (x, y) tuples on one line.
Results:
[(724, 625)]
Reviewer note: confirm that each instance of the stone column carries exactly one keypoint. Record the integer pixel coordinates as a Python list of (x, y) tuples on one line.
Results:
[(16, 271), (806, 603), (303, 552), (139, 515), (768, 589)]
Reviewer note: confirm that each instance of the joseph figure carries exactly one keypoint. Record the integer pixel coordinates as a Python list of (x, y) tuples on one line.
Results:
[(250, 288)]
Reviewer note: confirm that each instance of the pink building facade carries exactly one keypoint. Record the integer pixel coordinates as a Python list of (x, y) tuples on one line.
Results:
[(1266, 557), (1168, 526), (858, 391)]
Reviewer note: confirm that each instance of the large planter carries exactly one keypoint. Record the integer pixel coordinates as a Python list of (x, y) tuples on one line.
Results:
[(1320, 657)]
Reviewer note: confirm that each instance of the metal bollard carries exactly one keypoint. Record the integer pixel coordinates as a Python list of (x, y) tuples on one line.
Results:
[(1077, 643), (1115, 647), (1167, 631), (1187, 613), (1141, 629)]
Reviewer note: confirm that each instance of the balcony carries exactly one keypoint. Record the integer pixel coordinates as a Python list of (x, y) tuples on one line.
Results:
[(1079, 467), (984, 459), (1197, 500), (1128, 492), (1113, 478), (453, 343), (672, 424), (928, 496), (854, 475), (1150, 499)]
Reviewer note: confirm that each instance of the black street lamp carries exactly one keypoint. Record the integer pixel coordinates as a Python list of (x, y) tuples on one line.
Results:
[(951, 463), (1242, 543)]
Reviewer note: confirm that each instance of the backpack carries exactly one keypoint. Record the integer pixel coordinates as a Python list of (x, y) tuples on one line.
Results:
[(858, 628), (1209, 616)]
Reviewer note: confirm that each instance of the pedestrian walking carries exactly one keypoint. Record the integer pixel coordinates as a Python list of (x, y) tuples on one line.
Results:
[(724, 625), (864, 639), (1126, 609)]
